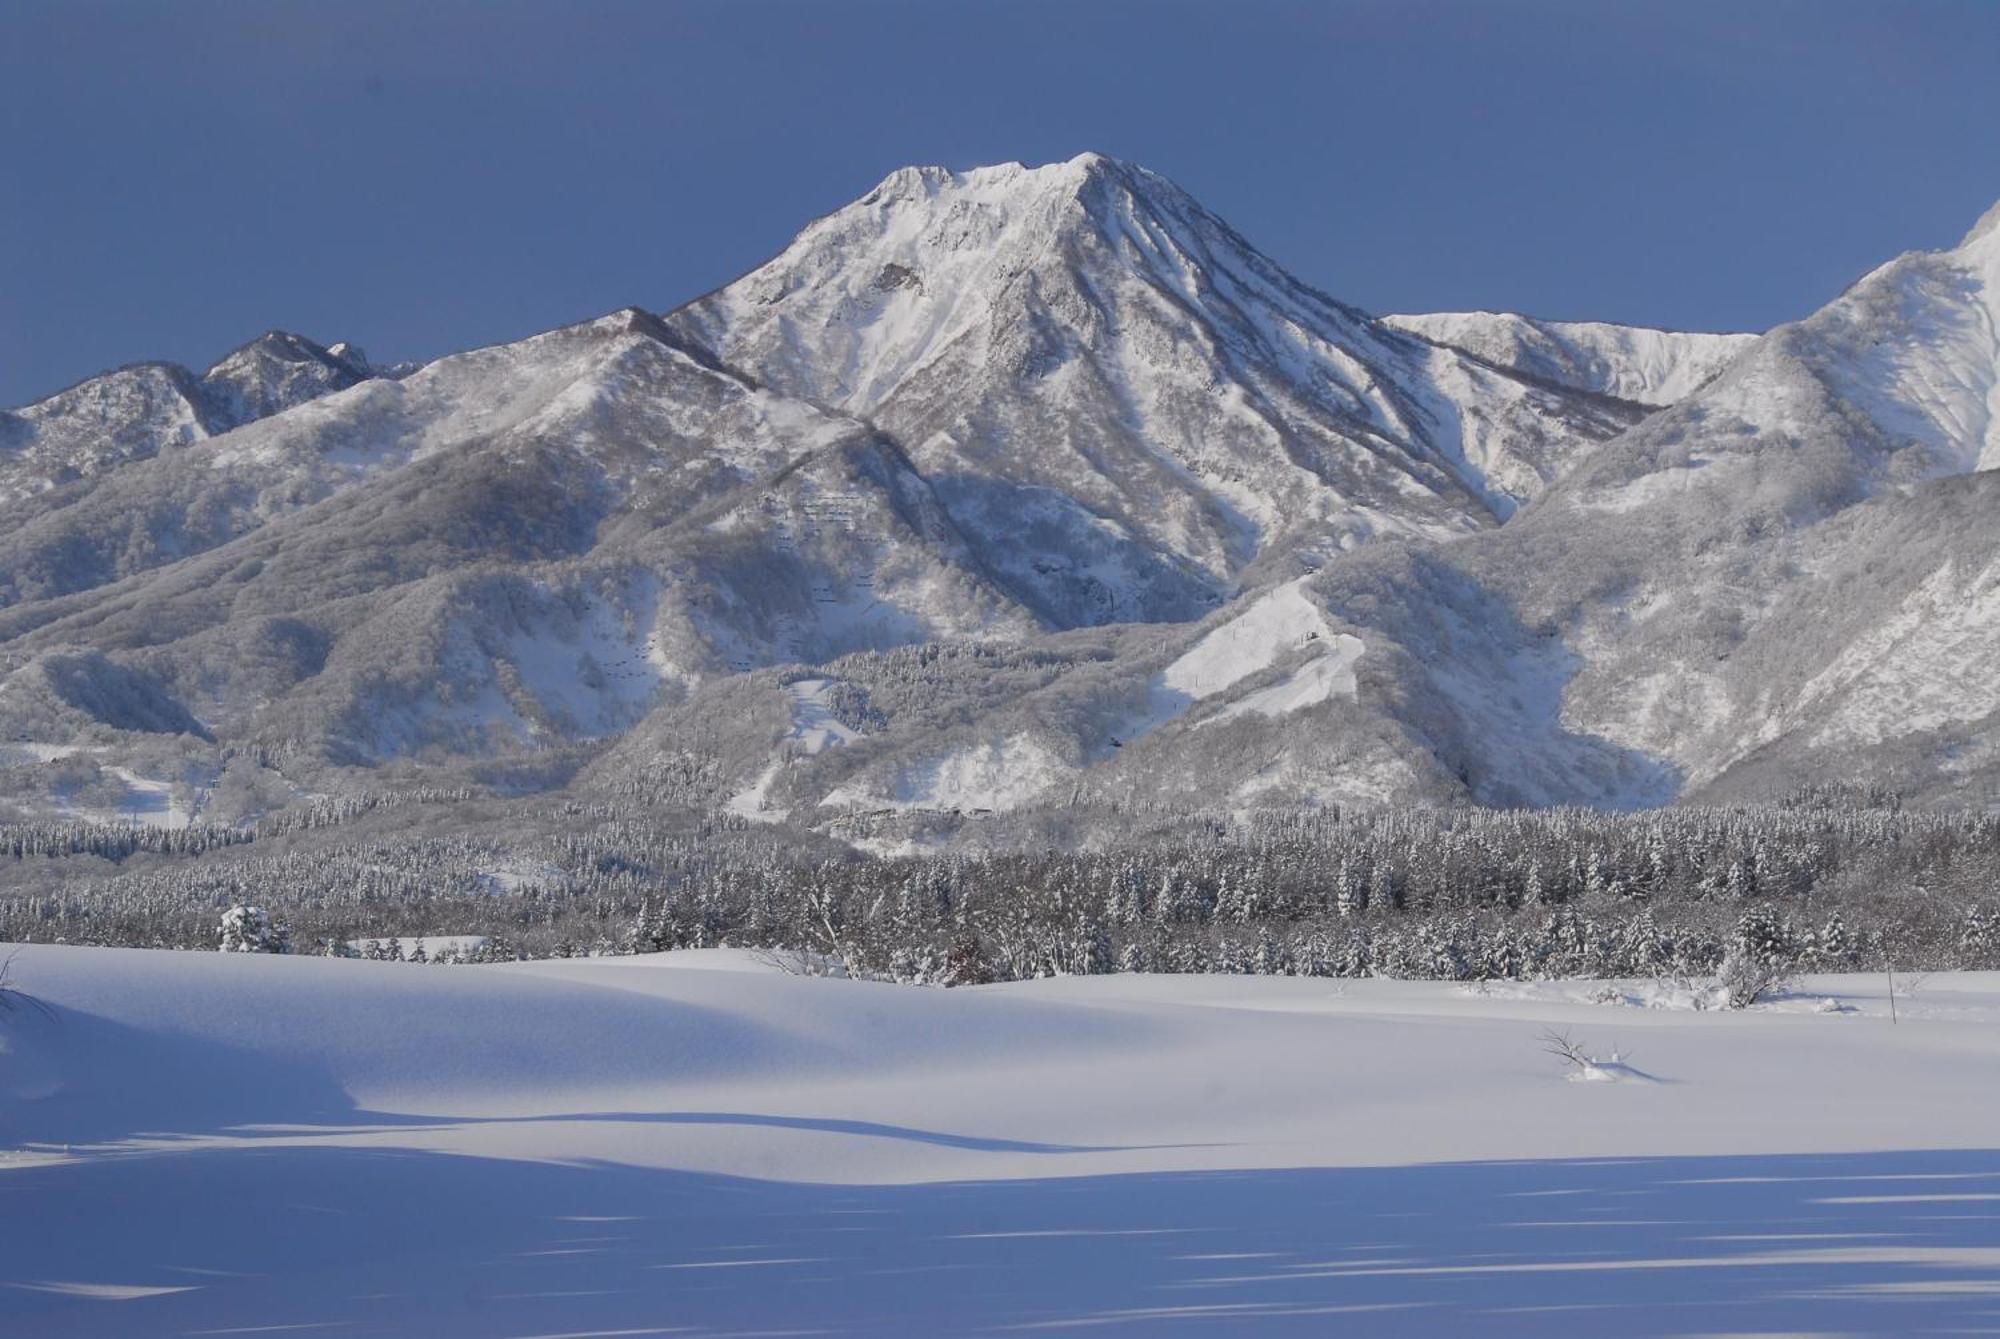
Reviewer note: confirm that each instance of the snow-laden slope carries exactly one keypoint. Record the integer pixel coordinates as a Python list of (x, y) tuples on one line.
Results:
[(1916, 346), (813, 725), (1114, 471), (1249, 642), (96, 426), (274, 372), (969, 407), (1636, 363), (990, 776), (1268, 658), (1783, 577), (201, 1142), (1777, 579), (1092, 367), (521, 548), (134, 413)]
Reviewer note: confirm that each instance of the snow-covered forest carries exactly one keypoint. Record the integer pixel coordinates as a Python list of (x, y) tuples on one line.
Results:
[(1828, 880)]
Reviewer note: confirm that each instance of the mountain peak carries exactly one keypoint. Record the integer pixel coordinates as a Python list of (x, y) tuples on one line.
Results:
[(996, 182), (1085, 342), (995, 254), (347, 351), (1988, 226), (272, 373)]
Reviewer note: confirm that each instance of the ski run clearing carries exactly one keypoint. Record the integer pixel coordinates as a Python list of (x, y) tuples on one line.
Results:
[(236, 1144)]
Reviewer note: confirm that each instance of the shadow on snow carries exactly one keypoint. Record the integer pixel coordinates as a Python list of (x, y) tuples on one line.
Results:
[(356, 1241)]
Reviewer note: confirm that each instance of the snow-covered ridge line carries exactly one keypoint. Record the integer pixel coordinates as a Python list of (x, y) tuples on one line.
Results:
[(133, 413), (1637, 363), (1044, 409)]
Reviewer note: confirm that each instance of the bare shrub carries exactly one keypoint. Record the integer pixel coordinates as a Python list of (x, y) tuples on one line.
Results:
[(14, 1000), (1568, 1049), (1746, 979)]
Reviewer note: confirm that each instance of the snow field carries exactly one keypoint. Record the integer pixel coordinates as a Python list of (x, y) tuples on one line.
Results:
[(701, 1144), (1271, 627)]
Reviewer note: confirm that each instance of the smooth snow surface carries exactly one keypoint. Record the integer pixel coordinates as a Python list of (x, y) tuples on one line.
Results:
[(1282, 624), (814, 729), (208, 1143), (999, 775), (1245, 644)]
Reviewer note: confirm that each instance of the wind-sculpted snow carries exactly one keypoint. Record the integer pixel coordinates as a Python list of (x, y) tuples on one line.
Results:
[(200, 1142)]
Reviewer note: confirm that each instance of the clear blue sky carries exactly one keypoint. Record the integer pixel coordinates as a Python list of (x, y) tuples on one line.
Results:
[(429, 176)]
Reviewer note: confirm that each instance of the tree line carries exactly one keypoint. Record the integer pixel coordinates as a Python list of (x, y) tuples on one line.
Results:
[(1825, 880)]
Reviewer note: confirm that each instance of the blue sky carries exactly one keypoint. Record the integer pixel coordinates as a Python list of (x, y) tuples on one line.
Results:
[(425, 177)]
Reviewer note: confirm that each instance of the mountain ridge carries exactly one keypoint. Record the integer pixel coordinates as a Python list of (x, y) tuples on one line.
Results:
[(1015, 488)]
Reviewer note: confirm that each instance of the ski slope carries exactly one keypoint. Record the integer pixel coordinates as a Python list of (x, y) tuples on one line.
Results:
[(694, 1143)]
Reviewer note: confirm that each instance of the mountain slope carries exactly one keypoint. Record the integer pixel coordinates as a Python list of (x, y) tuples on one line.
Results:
[(1635, 363), (134, 413), (1782, 577), (518, 549), (1790, 575), (1033, 491), (1093, 404)]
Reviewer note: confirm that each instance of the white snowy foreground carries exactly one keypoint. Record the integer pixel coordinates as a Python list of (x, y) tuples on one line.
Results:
[(221, 1144)]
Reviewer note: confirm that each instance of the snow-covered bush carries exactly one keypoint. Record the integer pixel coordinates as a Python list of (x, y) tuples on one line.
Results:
[(1744, 979), (1760, 953), (249, 930)]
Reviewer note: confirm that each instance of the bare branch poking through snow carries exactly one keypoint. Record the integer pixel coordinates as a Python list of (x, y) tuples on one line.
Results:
[(1582, 1066), (13, 999), (798, 962), (1565, 1048)]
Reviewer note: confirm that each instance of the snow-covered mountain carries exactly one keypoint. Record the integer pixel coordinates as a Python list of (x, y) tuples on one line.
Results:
[(514, 548), (1784, 577), (1023, 489), (1789, 575), (1130, 411), (1636, 363), (136, 412)]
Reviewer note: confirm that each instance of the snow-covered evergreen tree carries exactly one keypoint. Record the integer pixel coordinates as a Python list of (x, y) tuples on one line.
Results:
[(249, 930)]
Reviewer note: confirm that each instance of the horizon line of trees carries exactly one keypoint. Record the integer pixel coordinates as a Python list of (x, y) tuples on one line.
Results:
[(1823, 881)]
